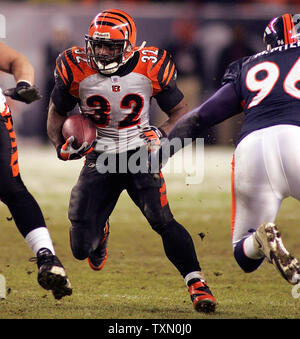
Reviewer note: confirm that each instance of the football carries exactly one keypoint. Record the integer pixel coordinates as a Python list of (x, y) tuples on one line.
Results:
[(81, 127)]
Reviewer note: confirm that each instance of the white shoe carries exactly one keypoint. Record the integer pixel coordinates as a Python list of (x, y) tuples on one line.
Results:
[(269, 242)]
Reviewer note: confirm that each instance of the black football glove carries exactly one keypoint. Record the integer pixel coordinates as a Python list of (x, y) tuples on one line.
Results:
[(23, 92)]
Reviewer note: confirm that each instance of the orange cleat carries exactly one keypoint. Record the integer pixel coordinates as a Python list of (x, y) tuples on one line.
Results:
[(201, 296)]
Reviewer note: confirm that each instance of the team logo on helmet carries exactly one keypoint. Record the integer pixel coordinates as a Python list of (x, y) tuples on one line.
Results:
[(282, 30), (99, 35)]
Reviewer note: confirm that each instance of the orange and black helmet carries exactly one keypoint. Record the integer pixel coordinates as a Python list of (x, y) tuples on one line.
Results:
[(113, 28), (282, 30)]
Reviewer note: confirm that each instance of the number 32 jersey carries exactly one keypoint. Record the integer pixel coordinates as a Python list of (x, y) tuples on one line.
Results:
[(268, 87), (119, 104)]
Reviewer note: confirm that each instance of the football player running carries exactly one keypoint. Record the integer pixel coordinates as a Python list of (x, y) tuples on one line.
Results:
[(113, 81), (13, 193), (265, 169)]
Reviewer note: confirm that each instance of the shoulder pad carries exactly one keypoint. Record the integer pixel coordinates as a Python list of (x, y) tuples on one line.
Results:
[(63, 71), (158, 65), (233, 71), (71, 66)]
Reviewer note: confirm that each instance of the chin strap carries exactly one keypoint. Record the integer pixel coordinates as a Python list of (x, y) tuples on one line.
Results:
[(131, 55)]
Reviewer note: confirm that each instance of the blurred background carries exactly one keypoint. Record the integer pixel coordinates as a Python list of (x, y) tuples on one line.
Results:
[(203, 36)]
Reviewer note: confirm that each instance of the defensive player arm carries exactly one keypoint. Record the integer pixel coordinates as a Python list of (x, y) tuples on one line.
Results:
[(16, 64), (221, 106)]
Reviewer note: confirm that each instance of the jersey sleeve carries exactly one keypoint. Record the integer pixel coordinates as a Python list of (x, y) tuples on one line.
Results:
[(63, 73), (169, 97), (233, 73), (65, 92), (163, 75), (63, 100)]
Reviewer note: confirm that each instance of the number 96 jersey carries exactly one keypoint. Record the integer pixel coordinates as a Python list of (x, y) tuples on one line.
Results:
[(267, 85), (119, 103)]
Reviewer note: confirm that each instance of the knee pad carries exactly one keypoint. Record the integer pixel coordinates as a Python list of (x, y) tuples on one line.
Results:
[(83, 241), (79, 246)]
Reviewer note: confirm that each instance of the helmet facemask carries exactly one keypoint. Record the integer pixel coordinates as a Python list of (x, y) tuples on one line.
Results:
[(117, 53)]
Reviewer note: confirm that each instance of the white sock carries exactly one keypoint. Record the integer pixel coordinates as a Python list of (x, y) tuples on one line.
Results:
[(251, 249), (193, 275), (39, 238)]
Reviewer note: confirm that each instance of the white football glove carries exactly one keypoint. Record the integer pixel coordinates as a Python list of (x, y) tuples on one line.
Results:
[(68, 152), (152, 137)]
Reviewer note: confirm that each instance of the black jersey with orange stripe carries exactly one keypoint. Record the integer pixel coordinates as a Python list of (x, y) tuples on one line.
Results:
[(154, 63)]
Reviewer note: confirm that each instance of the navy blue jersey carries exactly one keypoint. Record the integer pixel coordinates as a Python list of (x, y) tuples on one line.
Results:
[(268, 87)]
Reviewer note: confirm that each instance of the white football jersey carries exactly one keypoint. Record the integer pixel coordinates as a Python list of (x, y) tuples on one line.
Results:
[(119, 105)]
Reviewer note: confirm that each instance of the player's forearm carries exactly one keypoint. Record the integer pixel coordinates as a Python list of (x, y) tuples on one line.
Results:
[(16, 64), (221, 106), (174, 115), (54, 125), (22, 69)]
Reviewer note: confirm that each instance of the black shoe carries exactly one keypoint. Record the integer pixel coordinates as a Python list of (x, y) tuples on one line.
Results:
[(52, 275), (97, 258)]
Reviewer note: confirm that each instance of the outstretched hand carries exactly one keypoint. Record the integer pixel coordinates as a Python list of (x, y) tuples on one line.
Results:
[(23, 92)]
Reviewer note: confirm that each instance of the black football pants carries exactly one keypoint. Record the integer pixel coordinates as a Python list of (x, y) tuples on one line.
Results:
[(94, 197), (13, 193)]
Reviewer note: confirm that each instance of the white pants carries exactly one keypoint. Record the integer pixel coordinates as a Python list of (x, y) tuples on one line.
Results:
[(265, 170)]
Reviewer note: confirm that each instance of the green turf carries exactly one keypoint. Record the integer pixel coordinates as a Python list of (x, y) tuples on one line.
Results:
[(138, 282)]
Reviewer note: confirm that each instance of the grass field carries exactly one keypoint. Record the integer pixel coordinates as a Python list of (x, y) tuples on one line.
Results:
[(138, 282)]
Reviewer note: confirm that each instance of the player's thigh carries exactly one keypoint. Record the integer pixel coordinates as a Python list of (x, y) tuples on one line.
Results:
[(253, 198), (289, 144), (93, 198), (8, 154)]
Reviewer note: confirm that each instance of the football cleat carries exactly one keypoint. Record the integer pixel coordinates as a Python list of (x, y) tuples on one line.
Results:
[(51, 274), (97, 258), (270, 244), (201, 296)]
